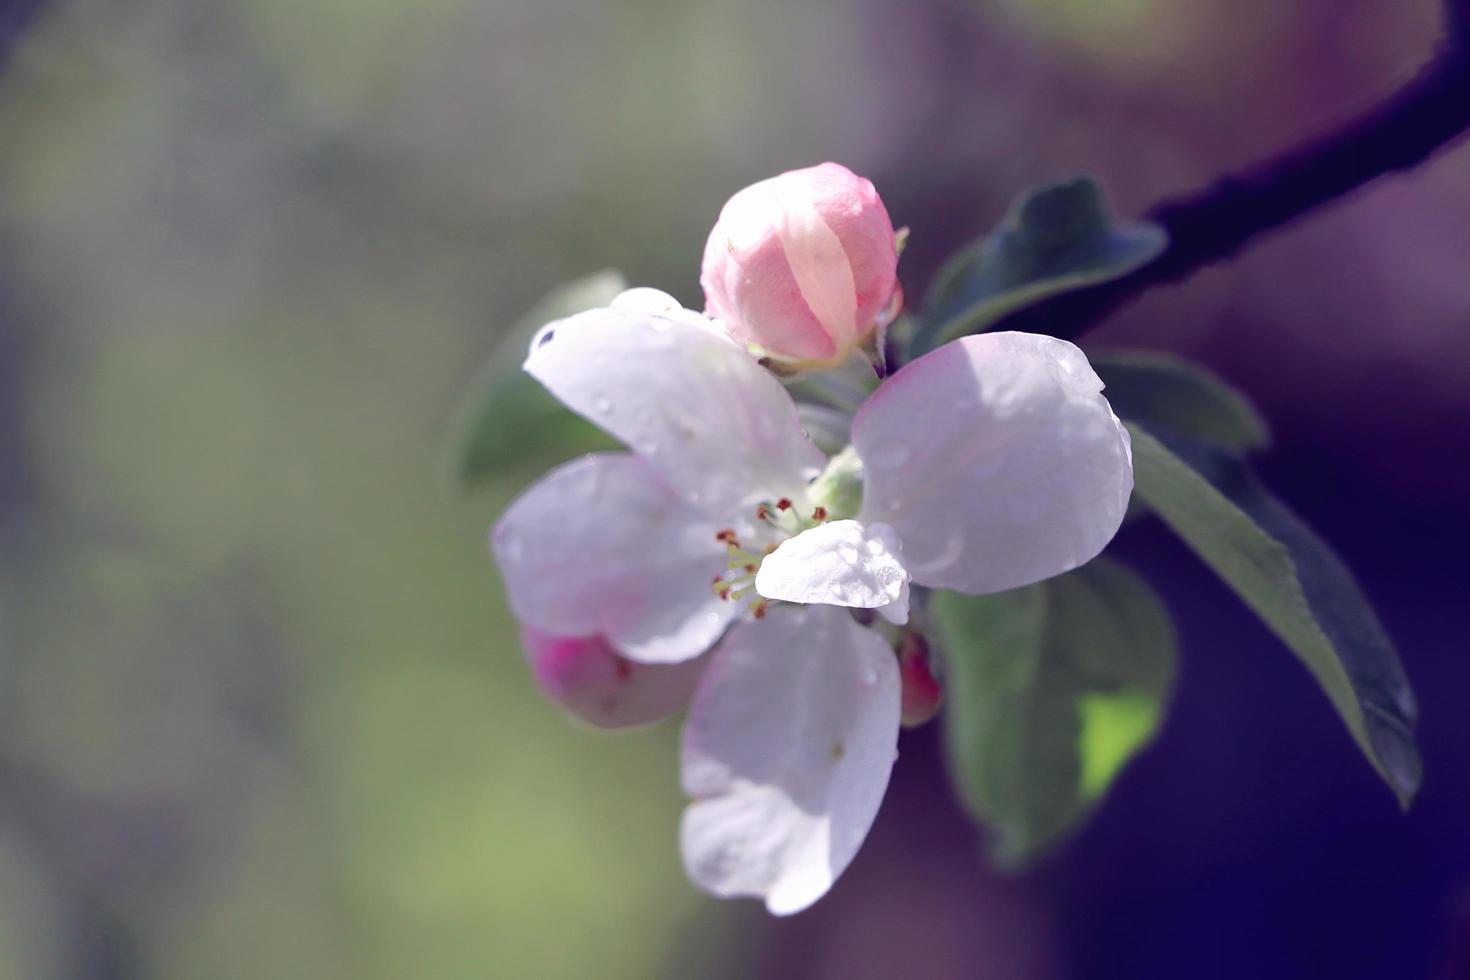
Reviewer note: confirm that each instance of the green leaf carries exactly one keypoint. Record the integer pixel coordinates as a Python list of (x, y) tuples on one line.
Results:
[(1056, 238), (1050, 690), (1171, 395), (509, 417), (1296, 584)]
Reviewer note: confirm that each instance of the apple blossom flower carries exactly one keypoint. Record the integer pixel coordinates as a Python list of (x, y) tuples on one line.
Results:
[(988, 464), (803, 265), (592, 680)]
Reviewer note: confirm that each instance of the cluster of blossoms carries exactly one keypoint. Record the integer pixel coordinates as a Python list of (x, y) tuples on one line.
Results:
[(724, 564)]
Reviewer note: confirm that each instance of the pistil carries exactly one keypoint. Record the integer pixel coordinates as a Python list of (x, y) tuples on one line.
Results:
[(743, 562)]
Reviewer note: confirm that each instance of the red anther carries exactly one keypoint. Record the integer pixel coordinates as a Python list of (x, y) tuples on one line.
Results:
[(763, 513), (760, 609), (750, 569), (784, 503), (921, 694), (725, 592), (717, 580), (820, 514), (727, 534)]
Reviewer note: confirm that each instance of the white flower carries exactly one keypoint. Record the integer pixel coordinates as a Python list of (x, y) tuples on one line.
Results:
[(988, 464)]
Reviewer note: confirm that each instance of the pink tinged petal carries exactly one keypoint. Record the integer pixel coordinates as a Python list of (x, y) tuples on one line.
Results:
[(818, 264), (802, 264), (588, 677), (840, 563), (750, 288), (719, 428), (997, 460), (787, 751), (600, 546)]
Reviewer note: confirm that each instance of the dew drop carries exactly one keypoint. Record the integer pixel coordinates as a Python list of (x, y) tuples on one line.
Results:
[(602, 405), (890, 456), (510, 545)]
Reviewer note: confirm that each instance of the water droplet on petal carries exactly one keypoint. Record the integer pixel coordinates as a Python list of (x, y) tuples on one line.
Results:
[(888, 457), (601, 404), (509, 543)]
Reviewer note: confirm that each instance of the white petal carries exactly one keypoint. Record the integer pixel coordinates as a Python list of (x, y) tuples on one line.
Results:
[(841, 563), (997, 460), (600, 546), (787, 751), (897, 611), (645, 299), (721, 429)]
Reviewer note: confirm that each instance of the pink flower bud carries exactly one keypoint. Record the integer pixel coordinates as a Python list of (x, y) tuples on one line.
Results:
[(588, 677), (803, 265), (921, 691)]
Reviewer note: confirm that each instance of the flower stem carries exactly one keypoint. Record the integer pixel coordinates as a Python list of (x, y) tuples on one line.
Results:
[(1427, 113)]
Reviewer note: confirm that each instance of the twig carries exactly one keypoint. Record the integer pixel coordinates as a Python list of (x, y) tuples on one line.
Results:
[(1426, 114)]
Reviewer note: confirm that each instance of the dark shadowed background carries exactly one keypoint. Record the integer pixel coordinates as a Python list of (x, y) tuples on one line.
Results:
[(262, 713)]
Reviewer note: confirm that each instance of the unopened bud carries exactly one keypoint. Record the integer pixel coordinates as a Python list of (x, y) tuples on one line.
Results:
[(922, 693), (803, 266), (589, 678)]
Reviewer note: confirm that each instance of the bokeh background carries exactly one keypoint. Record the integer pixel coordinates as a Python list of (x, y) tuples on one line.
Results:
[(262, 713)]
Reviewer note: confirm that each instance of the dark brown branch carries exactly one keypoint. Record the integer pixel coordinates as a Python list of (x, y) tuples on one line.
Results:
[(1426, 114)]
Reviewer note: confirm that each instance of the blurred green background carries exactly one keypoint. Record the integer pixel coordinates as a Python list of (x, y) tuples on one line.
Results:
[(264, 713)]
